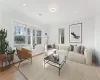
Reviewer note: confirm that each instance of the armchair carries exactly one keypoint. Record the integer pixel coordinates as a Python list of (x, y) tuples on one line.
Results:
[(24, 54)]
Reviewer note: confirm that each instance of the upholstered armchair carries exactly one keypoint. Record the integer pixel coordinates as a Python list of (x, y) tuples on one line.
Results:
[(24, 54)]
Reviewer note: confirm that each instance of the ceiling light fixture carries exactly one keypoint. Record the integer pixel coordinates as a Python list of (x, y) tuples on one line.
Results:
[(52, 9), (74, 11), (24, 4)]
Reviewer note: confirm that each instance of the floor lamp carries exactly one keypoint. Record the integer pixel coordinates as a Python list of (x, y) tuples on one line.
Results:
[(47, 38)]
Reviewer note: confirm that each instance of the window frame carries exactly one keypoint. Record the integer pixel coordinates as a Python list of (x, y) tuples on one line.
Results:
[(60, 36), (40, 36), (18, 35), (31, 28)]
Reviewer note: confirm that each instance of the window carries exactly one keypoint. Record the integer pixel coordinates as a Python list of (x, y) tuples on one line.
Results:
[(29, 35), (24, 35), (61, 36), (38, 36), (33, 36), (19, 33)]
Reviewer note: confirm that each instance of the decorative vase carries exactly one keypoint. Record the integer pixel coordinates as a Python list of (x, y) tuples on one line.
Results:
[(56, 56), (10, 57)]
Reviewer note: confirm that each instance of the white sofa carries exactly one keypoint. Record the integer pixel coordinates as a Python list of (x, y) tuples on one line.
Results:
[(77, 57), (84, 59)]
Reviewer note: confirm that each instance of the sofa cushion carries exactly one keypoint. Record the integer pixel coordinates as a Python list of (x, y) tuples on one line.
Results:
[(77, 49), (62, 52), (76, 57), (62, 47)]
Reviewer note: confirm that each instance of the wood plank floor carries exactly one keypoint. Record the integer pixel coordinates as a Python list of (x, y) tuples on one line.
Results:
[(9, 74), (35, 71)]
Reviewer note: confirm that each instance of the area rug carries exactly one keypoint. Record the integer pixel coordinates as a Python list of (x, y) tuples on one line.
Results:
[(70, 71)]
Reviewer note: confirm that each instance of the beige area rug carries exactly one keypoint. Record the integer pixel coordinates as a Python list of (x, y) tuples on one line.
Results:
[(70, 71)]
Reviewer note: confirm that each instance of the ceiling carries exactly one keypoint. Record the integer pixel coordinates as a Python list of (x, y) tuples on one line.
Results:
[(66, 10)]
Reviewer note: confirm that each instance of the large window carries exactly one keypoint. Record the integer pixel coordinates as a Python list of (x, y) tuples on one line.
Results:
[(38, 36), (61, 36), (29, 35), (33, 36), (24, 35), (19, 33)]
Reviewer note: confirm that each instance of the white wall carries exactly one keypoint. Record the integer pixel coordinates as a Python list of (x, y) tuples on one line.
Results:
[(0, 20), (87, 32), (97, 39), (8, 16)]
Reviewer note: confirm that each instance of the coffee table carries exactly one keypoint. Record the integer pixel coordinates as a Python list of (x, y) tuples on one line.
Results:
[(52, 61)]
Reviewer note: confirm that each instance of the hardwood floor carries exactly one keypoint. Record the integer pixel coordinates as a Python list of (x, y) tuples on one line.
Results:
[(9, 74), (35, 71)]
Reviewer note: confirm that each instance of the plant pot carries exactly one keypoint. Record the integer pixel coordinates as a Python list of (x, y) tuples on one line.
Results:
[(10, 57), (3, 57)]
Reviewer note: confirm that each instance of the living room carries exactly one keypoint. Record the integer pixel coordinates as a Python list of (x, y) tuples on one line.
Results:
[(52, 22)]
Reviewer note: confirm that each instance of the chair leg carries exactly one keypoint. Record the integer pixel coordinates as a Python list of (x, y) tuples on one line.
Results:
[(19, 64)]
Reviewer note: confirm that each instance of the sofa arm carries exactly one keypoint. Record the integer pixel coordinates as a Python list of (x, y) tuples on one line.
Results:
[(88, 56)]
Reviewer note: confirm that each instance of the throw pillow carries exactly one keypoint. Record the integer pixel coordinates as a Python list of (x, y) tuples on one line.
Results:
[(82, 50), (54, 46), (71, 47), (49, 46), (77, 49)]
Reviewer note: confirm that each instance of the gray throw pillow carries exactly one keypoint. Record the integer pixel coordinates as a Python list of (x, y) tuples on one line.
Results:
[(71, 47), (82, 49), (77, 49)]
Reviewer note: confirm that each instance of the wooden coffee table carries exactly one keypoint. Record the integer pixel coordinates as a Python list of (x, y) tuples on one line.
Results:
[(52, 61)]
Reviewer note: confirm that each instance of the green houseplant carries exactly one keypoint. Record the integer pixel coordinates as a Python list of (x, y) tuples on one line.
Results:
[(10, 54), (3, 44)]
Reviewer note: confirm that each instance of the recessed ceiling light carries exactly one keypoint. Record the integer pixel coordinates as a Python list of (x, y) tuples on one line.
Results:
[(24, 4), (52, 9), (74, 11), (40, 14)]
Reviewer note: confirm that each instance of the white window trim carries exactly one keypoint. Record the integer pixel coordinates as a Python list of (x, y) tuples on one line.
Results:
[(26, 35), (59, 36)]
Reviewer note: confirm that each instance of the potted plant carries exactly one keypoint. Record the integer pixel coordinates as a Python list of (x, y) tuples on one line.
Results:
[(10, 54), (3, 44)]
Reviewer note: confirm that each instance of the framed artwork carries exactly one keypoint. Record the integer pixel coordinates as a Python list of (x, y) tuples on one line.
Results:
[(75, 33)]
